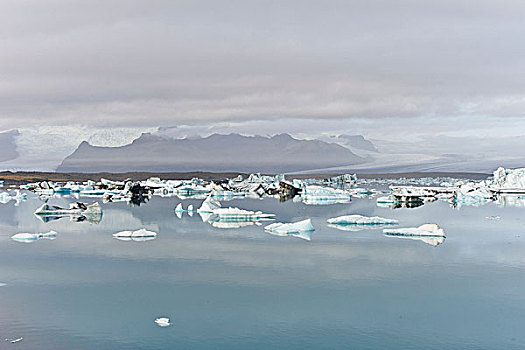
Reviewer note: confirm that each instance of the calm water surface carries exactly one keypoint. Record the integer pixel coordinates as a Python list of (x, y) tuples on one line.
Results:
[(246, 289)]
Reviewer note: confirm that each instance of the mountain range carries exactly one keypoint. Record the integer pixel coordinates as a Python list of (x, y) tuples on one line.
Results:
[(216, 153)]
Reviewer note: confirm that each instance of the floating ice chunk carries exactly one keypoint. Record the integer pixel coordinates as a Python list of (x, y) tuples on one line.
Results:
[(32, 237), (138, 235), (509, 180), (3, 284), (13, 341), (178, 208), (319, 195), (429, 233), (241, 214), (290, 228), (209, 205), (190, 208), (494, 217), (163, 321), (361, 220), (91, 213)]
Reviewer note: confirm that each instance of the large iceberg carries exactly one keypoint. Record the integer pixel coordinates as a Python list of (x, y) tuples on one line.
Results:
[(509, 180), (301, 229), (429, 233), (32, 237)]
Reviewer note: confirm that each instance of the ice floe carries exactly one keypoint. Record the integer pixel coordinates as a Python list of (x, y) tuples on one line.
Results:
[(429, 233), (14, 340), (32, 237), (361, 220), (140, 235), (301, 229), (163, 321)]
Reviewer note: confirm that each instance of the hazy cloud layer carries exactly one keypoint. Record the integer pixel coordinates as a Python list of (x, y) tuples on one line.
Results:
[(154, 63)]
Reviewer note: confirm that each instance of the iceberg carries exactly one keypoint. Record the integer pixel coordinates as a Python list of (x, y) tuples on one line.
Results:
[(301, 229), (209, 205), (361, 220), (241, 214), (429, 233), (509, 180), (138, 235), (79, 211), (319, 195), (32, 237), (163, 321)]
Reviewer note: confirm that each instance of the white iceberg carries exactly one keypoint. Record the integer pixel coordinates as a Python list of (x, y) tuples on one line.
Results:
[(32, 237), (138, 235), (163, 321), (361, 220), (509, 180), (319, 195), (301, 229), (429, 233), (241, 214)]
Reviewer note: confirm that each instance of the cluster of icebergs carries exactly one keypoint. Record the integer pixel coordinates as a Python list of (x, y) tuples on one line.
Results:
[(505, 187), (310, 191)]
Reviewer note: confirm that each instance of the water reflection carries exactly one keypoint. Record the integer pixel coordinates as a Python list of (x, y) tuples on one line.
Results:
[(249, 289)]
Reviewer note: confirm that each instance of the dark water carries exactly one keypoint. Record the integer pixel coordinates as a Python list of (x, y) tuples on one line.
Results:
[(246, 289)]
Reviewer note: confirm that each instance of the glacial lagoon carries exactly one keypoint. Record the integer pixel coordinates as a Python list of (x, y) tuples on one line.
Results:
[(244, 288)]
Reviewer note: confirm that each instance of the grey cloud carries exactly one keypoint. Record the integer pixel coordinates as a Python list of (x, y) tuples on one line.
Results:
[(150, 63)]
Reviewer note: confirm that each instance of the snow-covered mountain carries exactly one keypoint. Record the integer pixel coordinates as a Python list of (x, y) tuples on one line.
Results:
[(233, 152)]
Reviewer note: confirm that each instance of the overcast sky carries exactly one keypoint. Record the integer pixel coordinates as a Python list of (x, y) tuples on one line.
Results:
[(168, 63)]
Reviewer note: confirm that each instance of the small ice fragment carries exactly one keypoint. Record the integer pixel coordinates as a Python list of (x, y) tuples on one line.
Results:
[(301, 229), (429, 233), (190, 208), (432, 230), (3, 284), (138, 235), (361, 220), (13, 341), (178, 208), (163, 321), (494, 217), (32, 237)]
